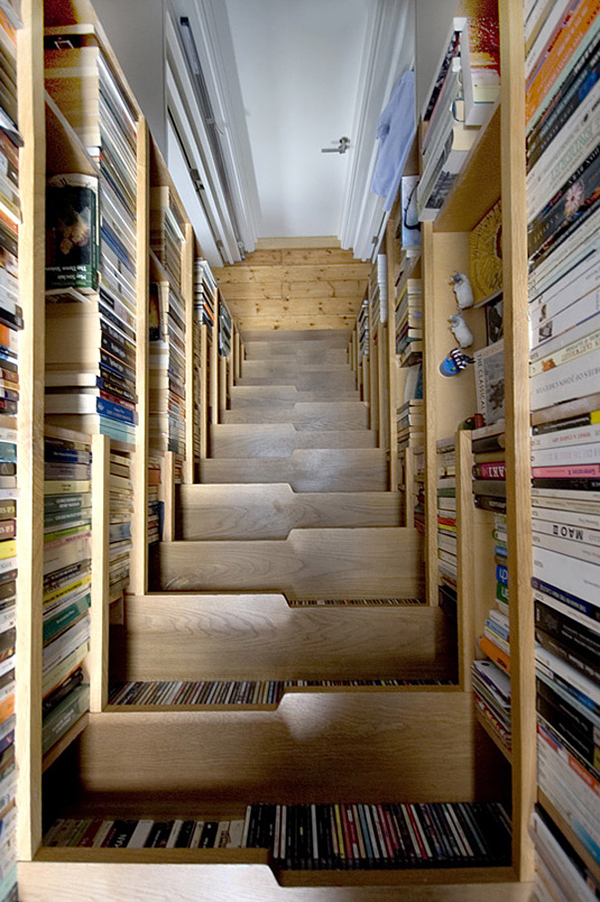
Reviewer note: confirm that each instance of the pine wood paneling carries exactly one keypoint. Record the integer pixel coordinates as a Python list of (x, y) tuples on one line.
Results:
[(295, 288)]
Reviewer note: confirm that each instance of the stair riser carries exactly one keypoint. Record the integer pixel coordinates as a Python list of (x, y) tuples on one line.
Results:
[(270, 398), (335, 470), (358, 563), (314, 748), (238, 512), (252, 440), (328, 416), (245, 637)]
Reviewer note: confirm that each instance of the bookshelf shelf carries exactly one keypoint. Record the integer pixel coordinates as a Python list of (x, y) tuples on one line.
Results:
[(64, 150), (494, 736), (477, 188), (64, 742)]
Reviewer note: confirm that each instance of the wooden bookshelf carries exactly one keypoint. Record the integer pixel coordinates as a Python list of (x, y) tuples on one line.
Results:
[(411, 729)]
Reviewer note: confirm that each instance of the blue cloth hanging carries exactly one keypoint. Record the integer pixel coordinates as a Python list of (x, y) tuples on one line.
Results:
[(395, 132)]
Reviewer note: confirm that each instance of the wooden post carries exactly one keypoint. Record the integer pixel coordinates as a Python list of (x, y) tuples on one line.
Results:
[(168, 489), (518, 484), (429, 394), (187, 287), (30, 442), (465, 557), (204, 378), (98, 656), (139, 464), (409, 486), (214, 369)]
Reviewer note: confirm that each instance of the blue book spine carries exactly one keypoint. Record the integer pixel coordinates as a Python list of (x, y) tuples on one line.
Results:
[(502, 574), (115, 412)]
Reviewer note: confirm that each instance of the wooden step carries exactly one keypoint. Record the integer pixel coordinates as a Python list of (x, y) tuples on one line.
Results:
[(303, 378), (308, 352), (310, 563), (314, 415), (306, 470), (208, 876), (334, 338), (238, 512), (315, 747), (253, 637), (282, 395), (316, 353), (280, 439)]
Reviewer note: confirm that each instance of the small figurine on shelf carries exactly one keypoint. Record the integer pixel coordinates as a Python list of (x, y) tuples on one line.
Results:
[(460, 330), (454, 362), (462, 289)]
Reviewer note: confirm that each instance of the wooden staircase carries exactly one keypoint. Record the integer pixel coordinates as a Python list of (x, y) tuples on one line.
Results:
[(290, 562)]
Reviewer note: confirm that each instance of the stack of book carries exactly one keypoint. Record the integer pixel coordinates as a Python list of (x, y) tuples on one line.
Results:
[(378, 295), (563, 200), (409, 323), (322, 837), (491, 693), (121, 508), (410, 423), (206, 294), (489, 481), (167, 369), (155, 507), (447, 573), (446, 489), (363, 329), (418, 489), (11, 321), (465, 86), (91, 248), (197, 391), (225, 326), (558, 869), (67, 584), (167, 234)]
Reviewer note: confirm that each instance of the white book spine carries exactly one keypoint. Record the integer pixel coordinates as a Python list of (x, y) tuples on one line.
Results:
[(559, 517), (567, 541), (576, 379), (578, 578)]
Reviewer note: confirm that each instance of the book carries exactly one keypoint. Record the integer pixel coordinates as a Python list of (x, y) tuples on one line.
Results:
[(72, 232)]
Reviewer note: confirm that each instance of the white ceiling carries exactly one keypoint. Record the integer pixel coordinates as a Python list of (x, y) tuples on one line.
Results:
[(299, 64)]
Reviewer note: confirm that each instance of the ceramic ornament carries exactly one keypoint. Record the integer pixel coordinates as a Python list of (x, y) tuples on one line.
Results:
[(462, 289)]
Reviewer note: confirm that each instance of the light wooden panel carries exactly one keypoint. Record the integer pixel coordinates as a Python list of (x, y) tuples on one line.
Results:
[(139, 552), (30, 448), (280, 439), (311, 563), (467, 587), (299, 288), (213, 372), (272, 291), (390, 746), (73, 882), (272, 511), (308, 241), (245, 637), (310, 416), (306, 470), (518, 483), (391, 245), (167, 490), (204, 363), (296, 307), (248, 274)]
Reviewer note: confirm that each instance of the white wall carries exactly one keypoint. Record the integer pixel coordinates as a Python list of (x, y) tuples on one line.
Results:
[(433, 22), (135, 29)]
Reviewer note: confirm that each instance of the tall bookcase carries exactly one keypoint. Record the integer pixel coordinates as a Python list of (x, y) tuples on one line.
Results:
[(495, 169)]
